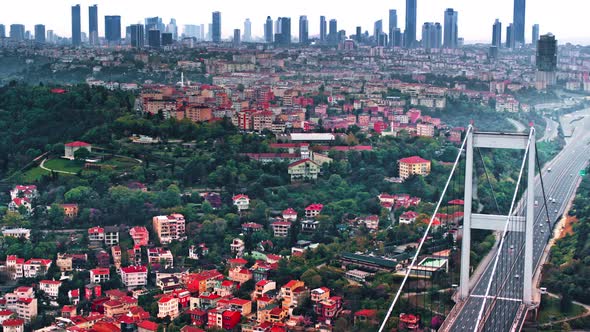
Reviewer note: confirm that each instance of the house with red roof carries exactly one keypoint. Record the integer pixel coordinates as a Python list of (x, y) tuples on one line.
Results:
[(70, 210), (147, 326), (263, 287), (251, 227), (140, 235), (304, 169), (240, 275), (241, 201), (290, 215), (50, 287), (96, 234), (293, 293), (313, 210), (413, 166), (35, 267), (100, 275), (408, 217), (19, 202), (134, 276), (14, 266), (72, 147), (189, 328), (168, 307), (225, 288), (371, 222), (13, 325), (26, 191), (367, 316), (69, 311), (6, 314), (198, 317)]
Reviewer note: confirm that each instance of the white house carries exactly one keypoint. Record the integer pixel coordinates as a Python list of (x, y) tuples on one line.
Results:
[(242, 202)]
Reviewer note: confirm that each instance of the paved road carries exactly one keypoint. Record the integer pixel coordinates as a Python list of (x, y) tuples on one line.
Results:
[(54, 170), (517, 125), (550, 130), (559, 184)]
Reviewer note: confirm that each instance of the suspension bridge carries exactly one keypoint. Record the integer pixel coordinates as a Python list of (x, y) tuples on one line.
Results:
[(443, 288)]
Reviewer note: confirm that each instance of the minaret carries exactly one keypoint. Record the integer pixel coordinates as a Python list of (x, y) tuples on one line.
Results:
[(182, 79)]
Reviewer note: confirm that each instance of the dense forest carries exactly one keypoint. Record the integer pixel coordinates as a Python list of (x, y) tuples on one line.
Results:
[(568, 271)]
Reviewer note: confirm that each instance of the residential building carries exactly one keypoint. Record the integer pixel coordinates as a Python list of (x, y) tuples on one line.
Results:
[(70, 210), (64, 262), (50, 287), (168, 307), (72, 147), (100, 275), (140, 235), (96, 234), (241, 201), (169, 228), (36, 267), (313, 210), (408, 217), (160, 256), (290, 215), (240, 275), (237, 247), (293, 293), (280, 228), (413, 166), (134, 276), (13, 325), (111, 235), (26, 308), (305, 169)]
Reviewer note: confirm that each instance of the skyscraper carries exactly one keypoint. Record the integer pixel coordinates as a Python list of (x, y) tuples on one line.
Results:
[(112, 29), (237, 37), (167, 38), (154, 38), (518, 21), (392, 24), (323, 29), (93, 25), (497, 34), (510, 36), (137, 35), (17, 32), (173, 29), (411, 18), (303, 30), (247, 30), (216, 27), (2, 31), (397, 38), (283, 33), (451, 28), (76, 26), (154, 23), (40, 33), (333, 32), (268, 34), (377, 30), (431, 35), (535, 35), (358, 34), (546, 61), (192, 31), (50, 36)]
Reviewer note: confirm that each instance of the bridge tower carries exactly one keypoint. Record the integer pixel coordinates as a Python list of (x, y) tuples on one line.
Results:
[(497, 222)]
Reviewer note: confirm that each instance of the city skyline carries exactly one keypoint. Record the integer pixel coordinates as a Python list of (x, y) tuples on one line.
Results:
[(473, 26)]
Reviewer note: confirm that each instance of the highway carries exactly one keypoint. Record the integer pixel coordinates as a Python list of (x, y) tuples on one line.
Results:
[(560, 183)]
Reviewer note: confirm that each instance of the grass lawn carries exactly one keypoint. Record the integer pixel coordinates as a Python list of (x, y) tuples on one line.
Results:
[(64, 165), (34, 174), (551, 311)]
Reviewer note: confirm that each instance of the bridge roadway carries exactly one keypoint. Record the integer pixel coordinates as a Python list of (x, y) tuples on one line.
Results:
[(560, 185)]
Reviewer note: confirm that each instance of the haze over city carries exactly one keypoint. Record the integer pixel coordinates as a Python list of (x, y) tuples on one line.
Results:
[(562, 18)]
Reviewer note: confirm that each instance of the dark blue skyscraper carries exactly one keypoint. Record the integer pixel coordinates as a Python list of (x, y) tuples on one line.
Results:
[(323, 29), (535, 36), (76, 26), (93, 25), (283, 37), (518, 21), (510, 36), (411, 18), (154, 38), (17, 32), (451, 33), (137, 35), (2, 31), (40, 33), (268, 28), (333, 32), (303, 30), (112, 29), (392, 24), (497, 34), (216, 27)]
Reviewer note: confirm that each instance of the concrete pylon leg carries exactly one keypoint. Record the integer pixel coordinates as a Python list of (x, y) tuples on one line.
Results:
[(467, 201)]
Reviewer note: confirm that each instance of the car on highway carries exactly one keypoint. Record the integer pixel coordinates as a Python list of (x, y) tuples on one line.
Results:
[(517, 276), (555, 211)]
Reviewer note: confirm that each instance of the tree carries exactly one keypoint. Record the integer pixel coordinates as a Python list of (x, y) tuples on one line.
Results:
[(55, 215), (81, 154)]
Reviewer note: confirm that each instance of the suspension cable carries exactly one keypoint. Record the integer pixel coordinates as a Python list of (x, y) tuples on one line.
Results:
[(488, 180), (496, 259), (409, 269), (543, 187)]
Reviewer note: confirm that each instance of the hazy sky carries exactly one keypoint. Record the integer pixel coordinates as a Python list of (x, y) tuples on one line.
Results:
[(567, 19)]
